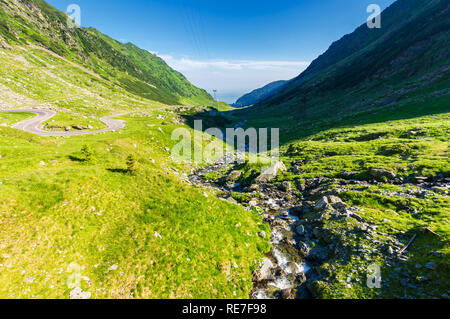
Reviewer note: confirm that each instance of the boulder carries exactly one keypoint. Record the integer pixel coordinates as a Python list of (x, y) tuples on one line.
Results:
[(319, 254), (78, 293), (234, 175), (336, 202), (379, 173), (271, 172), (253, 203), (431, 265), (264, 272)]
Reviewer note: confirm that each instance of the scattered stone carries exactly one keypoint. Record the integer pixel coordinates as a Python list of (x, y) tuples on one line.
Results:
[(303, 249), (113, 267), (379, 173), (262, 234), (271, 172), (234, 175), (431, 265), (300, 230), (285, 186), (157, 235)]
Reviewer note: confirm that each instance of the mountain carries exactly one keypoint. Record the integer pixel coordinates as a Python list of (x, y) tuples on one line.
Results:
[(260, 94), (403, 62), (34, 22)]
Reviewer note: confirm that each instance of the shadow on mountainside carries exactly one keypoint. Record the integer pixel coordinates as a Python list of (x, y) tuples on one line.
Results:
[(293, 128)]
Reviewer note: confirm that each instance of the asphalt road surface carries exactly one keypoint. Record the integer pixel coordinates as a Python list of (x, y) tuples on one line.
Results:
[(33, 125)]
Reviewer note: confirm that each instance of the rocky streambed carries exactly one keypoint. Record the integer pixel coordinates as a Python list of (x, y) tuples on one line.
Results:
[(284, 270)]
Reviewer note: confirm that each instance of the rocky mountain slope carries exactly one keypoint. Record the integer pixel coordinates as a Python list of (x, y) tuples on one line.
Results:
[(260, 94), (34, 22)]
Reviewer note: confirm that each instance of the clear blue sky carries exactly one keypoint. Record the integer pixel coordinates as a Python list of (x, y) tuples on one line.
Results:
[(233, 46)]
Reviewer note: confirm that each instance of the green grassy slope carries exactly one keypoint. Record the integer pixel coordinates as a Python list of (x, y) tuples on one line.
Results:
[(36, 22)]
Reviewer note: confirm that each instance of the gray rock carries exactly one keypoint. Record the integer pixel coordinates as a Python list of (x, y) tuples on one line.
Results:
[(322, 204), (78, 293), (264, 272), (300, 230), (285, 186), (234, 175), (253, 203)]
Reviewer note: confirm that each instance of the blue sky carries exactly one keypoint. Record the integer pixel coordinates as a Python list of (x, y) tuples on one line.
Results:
[(231, 46)]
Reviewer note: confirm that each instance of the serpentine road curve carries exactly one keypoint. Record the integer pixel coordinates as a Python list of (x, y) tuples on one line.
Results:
[(33, 125)]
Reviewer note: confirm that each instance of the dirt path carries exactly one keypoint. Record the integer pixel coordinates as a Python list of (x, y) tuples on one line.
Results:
[(33, 125)]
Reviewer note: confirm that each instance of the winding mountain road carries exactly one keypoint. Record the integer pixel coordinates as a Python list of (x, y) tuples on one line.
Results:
[(33, 125)]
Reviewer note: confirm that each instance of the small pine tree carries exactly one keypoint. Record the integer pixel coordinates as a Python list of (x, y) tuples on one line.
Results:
[(131, 163), (88, 153)]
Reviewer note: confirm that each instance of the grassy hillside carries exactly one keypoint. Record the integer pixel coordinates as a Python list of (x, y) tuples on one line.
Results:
[(35, 22)]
